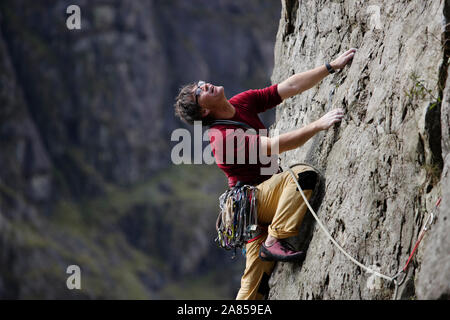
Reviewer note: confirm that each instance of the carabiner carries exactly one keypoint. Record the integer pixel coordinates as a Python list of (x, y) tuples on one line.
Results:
[(399, 283)]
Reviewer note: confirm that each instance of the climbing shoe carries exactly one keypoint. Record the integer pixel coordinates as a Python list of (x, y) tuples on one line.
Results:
[(280, 251)]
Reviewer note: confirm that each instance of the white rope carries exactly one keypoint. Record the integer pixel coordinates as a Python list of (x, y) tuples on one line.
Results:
[(324, 229)]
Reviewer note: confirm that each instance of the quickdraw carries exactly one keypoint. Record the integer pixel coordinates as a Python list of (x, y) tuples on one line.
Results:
[(237, 221), (401, 275)]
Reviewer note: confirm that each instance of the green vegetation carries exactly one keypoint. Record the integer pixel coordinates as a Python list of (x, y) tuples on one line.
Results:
[(211, 286), (116, 236), (420, 92)]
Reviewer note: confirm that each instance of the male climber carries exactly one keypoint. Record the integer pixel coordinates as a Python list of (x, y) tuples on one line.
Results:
[(280, 208)]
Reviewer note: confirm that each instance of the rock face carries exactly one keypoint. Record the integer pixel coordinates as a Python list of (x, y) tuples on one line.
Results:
[(385, 165)]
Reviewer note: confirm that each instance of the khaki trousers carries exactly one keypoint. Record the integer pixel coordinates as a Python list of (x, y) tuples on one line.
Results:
[(281, 207)]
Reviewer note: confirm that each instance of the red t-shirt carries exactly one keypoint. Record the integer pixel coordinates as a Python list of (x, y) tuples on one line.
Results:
[(247, 104)]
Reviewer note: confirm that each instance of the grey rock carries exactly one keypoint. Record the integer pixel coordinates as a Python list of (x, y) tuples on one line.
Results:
[(383, 164)]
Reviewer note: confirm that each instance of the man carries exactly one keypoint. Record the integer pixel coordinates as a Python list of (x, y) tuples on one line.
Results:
[(280, 208)]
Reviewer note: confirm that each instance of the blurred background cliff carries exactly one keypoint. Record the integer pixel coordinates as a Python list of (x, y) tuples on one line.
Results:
[(85, 123)]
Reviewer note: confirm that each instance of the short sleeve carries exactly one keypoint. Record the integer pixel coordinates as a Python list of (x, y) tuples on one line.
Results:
[(259, 100)]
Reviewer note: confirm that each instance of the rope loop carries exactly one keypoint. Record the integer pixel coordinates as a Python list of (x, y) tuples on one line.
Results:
[(427, 224)]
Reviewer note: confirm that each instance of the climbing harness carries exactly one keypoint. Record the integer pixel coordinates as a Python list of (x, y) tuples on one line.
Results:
[(237, 222), (369, 270)]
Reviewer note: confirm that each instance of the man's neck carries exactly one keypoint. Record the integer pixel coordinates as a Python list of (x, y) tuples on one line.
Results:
[(225, 111)]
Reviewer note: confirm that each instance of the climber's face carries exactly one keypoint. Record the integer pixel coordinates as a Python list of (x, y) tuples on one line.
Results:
[(208, 96)]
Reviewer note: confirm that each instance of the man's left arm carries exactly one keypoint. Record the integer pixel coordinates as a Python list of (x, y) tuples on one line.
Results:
[(303, 81)]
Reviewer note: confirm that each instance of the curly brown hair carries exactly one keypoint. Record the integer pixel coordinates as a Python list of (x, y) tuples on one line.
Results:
[(187, 109)]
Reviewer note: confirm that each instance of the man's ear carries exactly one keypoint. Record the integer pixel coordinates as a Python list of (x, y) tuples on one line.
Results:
[(205, 112)]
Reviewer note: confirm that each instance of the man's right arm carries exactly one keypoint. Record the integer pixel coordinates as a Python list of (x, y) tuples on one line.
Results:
[(296, 138), (300, 82)]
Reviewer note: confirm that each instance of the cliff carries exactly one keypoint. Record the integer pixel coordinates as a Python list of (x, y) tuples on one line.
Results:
[(385, 165)]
